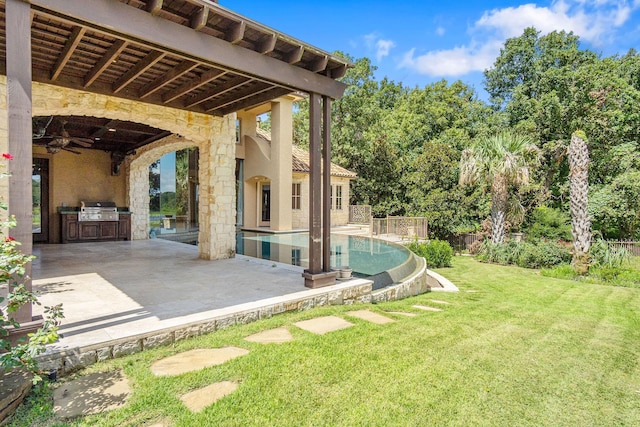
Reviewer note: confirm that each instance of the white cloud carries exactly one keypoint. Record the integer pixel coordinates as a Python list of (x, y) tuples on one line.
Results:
[(454, 62), (383, 47), (375, 43), (594, 21)]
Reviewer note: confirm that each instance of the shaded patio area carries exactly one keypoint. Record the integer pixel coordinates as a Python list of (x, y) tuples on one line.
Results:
[(114, 290)]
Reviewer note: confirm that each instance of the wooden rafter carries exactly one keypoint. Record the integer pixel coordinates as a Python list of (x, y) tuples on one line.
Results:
[(176, 72), (72, 43), (254, 101), (229, 85), (200, 81), (154, 6), (238, 96), (236, 34), (320, 64), (199, 19), (295, 55), (107, 59), (267, 44), (142, 66)]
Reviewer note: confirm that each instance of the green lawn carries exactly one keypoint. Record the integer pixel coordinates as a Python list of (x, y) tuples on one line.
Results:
[(522, 349)]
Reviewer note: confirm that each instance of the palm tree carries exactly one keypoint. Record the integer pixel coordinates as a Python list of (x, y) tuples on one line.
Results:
[(501, 160), (578, 188)]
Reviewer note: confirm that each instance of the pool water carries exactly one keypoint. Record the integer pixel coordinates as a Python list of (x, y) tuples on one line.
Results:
[(364, 255)]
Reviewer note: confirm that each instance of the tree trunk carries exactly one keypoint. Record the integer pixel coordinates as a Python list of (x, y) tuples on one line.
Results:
[(498, 208), (578, 187)]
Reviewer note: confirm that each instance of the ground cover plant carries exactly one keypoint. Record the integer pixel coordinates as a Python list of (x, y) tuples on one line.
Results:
[(511, 348)]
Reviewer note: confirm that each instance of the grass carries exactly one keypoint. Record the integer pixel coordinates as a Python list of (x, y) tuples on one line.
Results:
[(522, 349)]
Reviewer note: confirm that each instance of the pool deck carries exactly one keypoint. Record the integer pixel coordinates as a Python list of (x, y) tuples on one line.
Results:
[(111, 290)]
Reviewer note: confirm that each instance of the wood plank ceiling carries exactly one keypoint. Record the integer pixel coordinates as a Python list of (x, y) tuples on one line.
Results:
[(68, 53)]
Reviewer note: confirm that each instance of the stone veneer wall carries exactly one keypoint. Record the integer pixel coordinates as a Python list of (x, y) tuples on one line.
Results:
[(214, 136)]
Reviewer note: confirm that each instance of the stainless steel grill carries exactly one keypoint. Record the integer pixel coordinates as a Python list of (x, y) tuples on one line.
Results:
[(98, 211)]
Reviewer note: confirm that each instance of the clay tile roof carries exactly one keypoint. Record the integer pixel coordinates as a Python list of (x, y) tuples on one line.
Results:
[(300, 159)]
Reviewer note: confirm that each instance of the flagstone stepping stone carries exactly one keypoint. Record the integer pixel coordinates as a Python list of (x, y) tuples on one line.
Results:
[(322, 325), (370, 316), (199, 399), (402, 313), (91, 394), (472, 291), (277, 335), (426, 308), (194, 360), (437, 301)]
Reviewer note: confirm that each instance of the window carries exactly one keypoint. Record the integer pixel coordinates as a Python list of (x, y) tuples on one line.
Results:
[(339, 197), (237, 131), (296, 195)]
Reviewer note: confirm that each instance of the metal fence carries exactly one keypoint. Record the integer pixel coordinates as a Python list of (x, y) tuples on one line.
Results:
[(461, 242), (631, 246), (360, 214), (402, 226)]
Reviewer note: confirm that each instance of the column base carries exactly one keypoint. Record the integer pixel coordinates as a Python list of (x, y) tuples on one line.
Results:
[(25, 328), (319, 280)]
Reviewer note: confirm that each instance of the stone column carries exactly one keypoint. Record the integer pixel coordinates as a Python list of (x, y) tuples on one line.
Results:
[(281, 141), (217, 191)]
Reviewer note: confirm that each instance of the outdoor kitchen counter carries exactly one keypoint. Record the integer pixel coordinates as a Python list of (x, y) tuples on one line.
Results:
[(75, 231)]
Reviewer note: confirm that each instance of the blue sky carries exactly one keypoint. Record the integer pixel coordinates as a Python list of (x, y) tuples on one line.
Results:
[(419, 42)]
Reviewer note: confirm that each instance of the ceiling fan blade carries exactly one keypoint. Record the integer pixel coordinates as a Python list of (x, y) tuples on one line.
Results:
[(70, 150), (83, 142)]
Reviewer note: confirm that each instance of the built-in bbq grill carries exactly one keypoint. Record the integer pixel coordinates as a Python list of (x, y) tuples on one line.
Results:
[(98, 211)]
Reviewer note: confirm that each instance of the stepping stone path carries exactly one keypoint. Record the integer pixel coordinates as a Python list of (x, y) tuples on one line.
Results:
[(199, 399), (426, 308), (106, 391), (370, 316), (91, 394), (437, 301), (322, 325), (277, 335), (194, 360), (402, 313)]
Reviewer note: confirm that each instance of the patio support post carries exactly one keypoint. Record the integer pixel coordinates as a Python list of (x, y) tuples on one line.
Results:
[(315, 276), (326, 183), (18, 52)]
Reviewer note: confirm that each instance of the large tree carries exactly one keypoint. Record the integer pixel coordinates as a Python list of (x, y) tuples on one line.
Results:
[(501, 161)]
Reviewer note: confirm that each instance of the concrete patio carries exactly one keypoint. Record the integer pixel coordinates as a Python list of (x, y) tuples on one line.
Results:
[(111, 290), (148, 292)]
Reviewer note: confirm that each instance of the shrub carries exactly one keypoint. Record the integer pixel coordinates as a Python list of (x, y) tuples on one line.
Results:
[(536, 254), (438, 253), (549, 223)]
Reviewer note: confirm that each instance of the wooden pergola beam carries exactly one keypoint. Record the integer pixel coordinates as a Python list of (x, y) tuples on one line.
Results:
[(205, 78), (143, 65), (320, 64), (176, 72), (107, 59), (72, 43), (120, 19)]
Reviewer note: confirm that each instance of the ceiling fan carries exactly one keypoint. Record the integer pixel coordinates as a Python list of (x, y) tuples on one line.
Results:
[(55, 143)]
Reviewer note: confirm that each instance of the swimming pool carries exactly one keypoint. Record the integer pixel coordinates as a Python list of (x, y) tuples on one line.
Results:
[(366, 256)]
